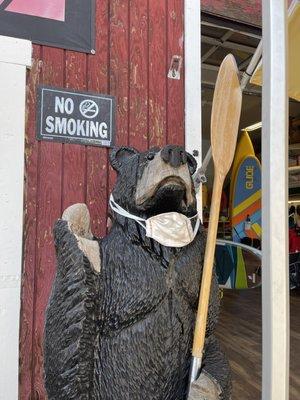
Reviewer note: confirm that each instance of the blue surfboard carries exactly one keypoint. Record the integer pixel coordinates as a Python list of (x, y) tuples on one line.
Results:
[(246, 204)]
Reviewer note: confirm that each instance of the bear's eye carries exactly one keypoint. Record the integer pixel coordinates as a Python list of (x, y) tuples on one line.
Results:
[(150, 156)]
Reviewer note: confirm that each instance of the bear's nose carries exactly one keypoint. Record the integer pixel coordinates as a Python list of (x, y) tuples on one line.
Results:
[(174, 155)]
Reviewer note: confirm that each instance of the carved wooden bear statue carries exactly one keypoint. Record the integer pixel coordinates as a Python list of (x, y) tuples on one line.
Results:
[(120, 318)]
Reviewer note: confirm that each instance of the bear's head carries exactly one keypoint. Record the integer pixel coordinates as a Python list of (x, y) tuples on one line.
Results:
[(155, 181)]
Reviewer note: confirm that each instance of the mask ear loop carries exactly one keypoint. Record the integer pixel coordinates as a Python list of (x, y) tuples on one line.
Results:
[(197, 224), (196, 227), (121, 211)]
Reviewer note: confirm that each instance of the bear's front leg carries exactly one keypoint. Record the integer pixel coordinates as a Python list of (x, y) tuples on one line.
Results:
[(72, 328)]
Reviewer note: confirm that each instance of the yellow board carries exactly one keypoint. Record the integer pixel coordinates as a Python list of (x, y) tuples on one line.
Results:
[(241, 281), (243, 149), (294, 53)]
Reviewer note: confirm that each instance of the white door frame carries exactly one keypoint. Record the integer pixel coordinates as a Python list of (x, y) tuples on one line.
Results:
[(275, 291), (275, 270), (192, 70), (15, 56)]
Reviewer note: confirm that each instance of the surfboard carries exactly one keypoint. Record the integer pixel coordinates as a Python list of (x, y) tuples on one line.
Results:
[(246, 200), (244, 148), (238, 266)]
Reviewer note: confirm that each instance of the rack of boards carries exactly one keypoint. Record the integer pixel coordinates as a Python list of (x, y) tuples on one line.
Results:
[(240, 217), (238, 255)]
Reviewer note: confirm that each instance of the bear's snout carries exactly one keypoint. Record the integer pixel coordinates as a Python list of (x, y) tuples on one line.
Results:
[(174, 155)]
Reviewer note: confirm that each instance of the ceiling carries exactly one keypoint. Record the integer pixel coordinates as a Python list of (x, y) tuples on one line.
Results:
[(217, 42), (244, 11)]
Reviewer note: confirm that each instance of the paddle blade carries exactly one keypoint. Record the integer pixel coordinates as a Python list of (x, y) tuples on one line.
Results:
[(225, 117)]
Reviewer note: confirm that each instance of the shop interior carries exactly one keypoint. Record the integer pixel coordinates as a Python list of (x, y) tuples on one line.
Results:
[(240, 321)]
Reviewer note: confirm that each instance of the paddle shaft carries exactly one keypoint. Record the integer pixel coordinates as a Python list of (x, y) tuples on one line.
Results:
[(201, 319), (225, 118)]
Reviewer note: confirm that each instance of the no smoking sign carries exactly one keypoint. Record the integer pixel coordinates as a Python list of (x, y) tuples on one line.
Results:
[(89, 109), (75, 117)]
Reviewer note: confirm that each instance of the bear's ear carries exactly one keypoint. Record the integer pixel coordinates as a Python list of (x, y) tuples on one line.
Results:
[(192, 163), (119, 154)]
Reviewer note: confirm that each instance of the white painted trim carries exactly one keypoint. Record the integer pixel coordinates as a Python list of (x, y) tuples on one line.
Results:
[(15, 51), (275, 270), (15, 56), (192, 63)]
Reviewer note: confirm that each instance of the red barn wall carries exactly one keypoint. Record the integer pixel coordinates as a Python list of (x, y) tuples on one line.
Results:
[(135, 41)]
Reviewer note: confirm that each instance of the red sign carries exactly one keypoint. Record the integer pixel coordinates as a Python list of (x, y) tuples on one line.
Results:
[(54, 9), (59, 23)]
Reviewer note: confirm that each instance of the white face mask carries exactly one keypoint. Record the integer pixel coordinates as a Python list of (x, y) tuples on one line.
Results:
[(170, 229)]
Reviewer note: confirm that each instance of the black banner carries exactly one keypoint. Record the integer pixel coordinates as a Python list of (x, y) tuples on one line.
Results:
[(68, 24), (75, 117)]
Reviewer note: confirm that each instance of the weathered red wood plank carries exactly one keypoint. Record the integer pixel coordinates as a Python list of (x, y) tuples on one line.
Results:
[(48, 210), (157, 73), (139, 62), (175, 109), (119, 71), (30, 202), (97, 158), (74, 155)]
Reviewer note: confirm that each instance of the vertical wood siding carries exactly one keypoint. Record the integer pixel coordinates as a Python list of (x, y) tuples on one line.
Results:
[(135, 40)]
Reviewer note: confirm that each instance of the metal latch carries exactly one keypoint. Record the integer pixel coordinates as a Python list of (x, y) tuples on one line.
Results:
[(175, 67)]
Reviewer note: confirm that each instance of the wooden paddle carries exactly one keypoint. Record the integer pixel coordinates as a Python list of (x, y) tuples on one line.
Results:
[(225, 117)]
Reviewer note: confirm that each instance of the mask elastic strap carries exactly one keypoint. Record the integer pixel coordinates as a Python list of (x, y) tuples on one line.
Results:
[(197, 223), (196, 226), (121, 211)]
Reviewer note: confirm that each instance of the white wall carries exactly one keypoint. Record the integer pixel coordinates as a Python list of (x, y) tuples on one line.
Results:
[(15, 55)]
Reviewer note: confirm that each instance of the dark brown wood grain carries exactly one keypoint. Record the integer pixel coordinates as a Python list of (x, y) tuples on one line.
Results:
[(134, 43), (240, 332)]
